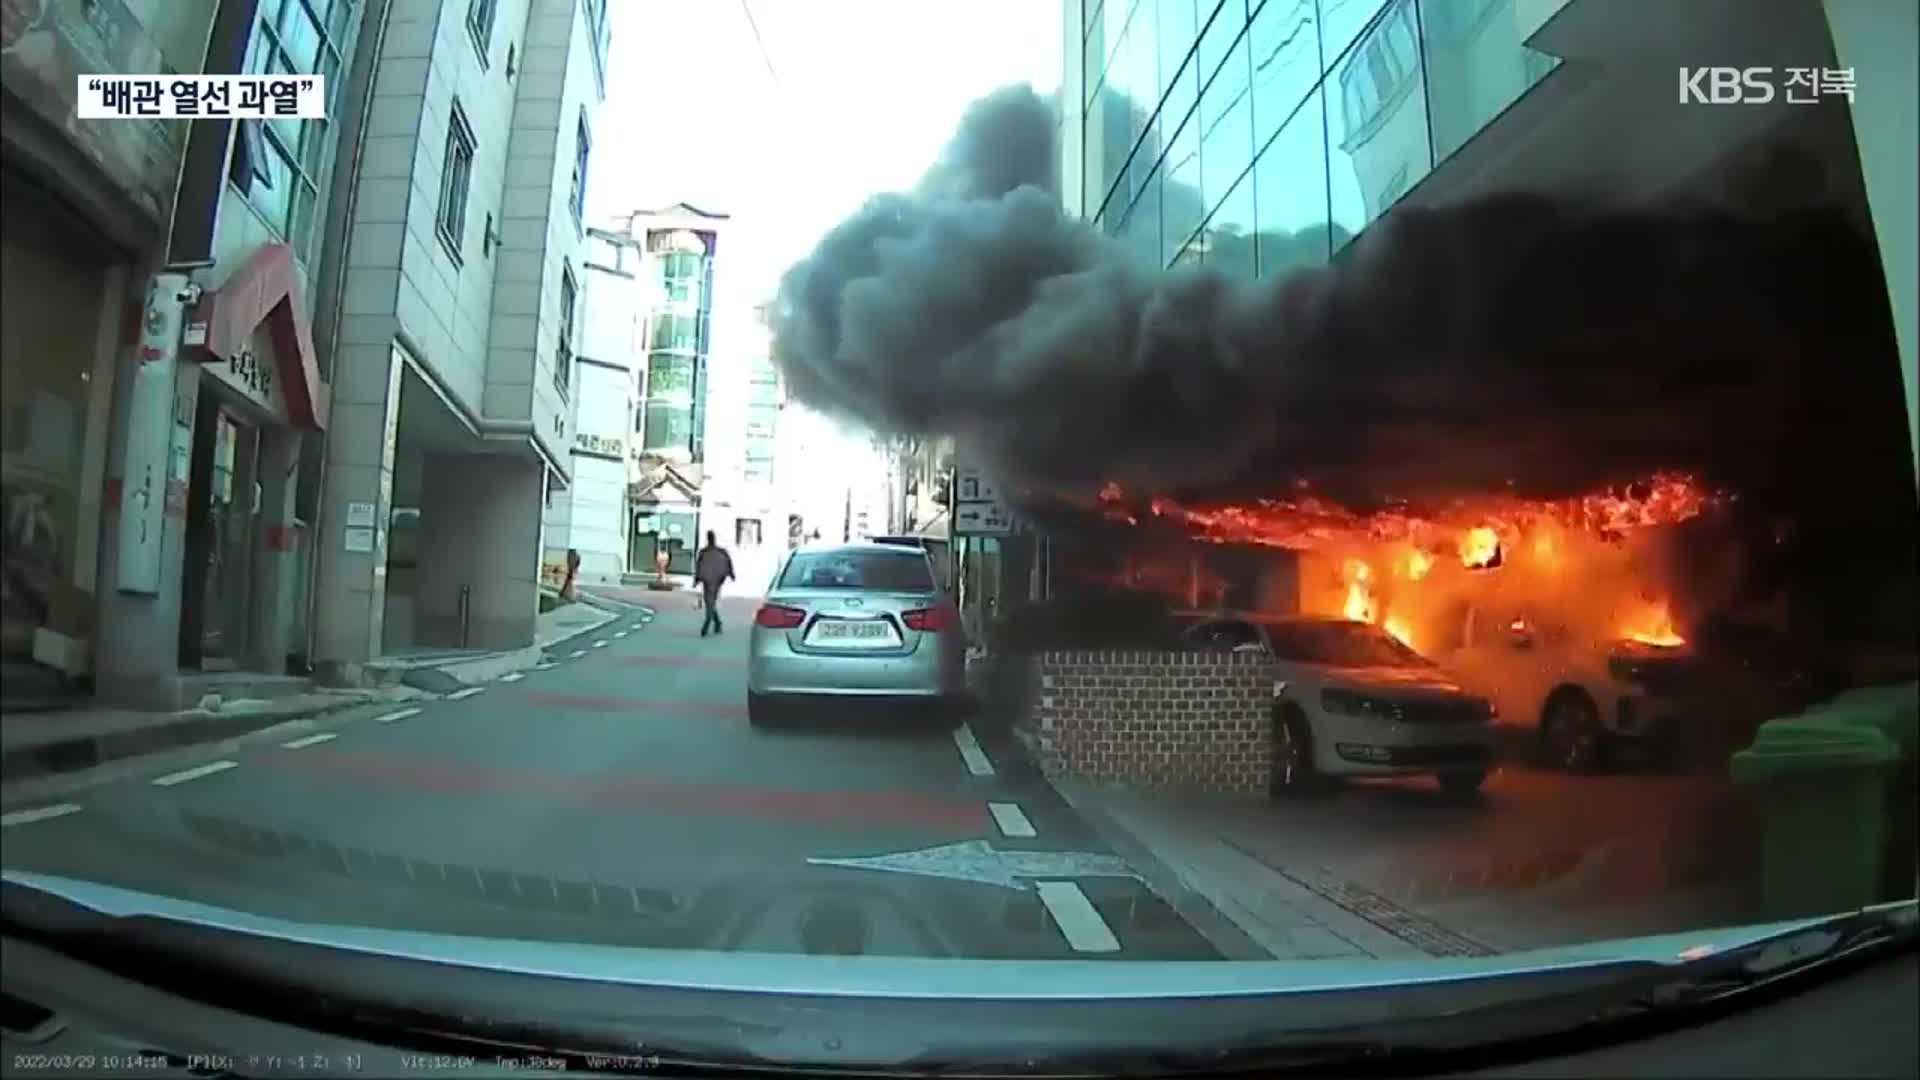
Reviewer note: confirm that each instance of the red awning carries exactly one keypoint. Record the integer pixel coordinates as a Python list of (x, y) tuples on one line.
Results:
[(266, 291)]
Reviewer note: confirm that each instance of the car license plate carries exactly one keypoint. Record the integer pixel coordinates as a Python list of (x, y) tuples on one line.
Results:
[(853, 632)]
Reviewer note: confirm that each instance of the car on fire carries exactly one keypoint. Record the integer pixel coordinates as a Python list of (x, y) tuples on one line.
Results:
[(1350, 700), (1599, 704)]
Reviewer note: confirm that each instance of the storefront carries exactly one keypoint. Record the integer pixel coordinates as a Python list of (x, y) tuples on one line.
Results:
[(84, 205), (58, 332), (245, 550)]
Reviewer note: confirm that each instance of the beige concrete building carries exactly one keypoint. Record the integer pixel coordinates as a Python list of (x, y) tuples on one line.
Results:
[(455, 371)]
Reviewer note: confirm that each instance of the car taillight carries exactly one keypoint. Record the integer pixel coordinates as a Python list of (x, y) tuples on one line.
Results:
[(779, 617), (932, 620)]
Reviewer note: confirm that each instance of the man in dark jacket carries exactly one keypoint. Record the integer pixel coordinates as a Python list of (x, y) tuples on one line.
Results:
[(712, 569)]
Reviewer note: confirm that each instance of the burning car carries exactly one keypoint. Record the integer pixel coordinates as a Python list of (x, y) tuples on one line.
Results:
[(1557, 611), (1590, 700), (1351, 700)]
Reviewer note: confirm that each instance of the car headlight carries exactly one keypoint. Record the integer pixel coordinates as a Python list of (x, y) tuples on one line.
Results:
[(1352, 703)]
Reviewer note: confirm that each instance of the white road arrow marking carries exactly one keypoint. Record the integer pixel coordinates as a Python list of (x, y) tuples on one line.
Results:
[(977, 861), (1079, 922)]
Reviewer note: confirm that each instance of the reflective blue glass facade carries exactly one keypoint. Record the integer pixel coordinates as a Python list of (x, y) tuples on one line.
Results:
[(1261, 136)]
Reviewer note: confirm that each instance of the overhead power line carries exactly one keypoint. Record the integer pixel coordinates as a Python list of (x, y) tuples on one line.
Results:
[(746, 8)]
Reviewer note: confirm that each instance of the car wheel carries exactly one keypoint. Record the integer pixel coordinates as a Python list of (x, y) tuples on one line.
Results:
[(1570, 731), (1292, 771), (1462, 784), (760, 712)]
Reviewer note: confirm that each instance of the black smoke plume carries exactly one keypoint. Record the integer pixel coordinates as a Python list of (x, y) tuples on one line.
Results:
[(1546, 344)]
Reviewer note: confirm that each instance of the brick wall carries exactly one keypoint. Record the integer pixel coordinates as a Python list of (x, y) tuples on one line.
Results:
[(1155, 719)]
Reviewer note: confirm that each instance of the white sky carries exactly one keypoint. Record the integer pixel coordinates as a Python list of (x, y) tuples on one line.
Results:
[(867, 92)]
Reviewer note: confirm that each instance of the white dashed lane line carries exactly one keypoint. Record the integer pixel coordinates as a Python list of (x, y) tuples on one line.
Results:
[(38, 813), (185, 775), (601, 644), (1011, 819), (513, 676), (1076, 917), (547, 666), (310, 740), (393, 716), (621, 633), (970, 751), (462, 695), (576, 654)]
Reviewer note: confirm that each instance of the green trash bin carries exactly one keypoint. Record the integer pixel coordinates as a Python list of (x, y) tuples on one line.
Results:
[(1893, 711), (1819, 789)]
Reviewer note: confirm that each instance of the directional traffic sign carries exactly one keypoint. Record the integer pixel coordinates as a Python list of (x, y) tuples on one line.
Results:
[(977, 861), (978, 509)]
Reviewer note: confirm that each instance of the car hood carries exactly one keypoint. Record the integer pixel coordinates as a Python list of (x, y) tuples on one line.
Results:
[(1405, 679), (888, 976)]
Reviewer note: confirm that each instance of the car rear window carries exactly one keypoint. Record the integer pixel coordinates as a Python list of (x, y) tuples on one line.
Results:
[(905, 570)]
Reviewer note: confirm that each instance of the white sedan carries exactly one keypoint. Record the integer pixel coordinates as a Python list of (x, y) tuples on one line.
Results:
[(1351, 700)]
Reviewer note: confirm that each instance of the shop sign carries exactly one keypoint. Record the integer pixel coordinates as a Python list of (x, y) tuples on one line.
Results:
[(254, 372), (46, 45), (612, 446)]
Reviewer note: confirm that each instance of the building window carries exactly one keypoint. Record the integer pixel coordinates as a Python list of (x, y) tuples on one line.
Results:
[(480, 15), (675, 332), (456, 176), (746, 532), (582, 148), (597, 14), (680, 276), (288, 160), (563, 356), (670, 377)]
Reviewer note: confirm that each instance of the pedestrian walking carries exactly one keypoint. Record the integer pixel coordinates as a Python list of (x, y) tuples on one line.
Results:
[(712, 569)]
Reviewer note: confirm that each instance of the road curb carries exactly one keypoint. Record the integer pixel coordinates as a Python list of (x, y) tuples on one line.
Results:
[(81, 753), (474, 671), (1226, 937)]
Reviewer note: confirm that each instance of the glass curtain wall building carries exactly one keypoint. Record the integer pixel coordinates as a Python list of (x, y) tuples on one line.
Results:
[(1261, 136), (677, 344)]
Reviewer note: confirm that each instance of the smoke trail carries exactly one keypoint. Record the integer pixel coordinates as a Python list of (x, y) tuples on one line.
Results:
[(1514, 340)]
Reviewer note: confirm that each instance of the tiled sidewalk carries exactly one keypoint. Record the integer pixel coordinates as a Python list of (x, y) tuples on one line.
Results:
[(1383, 876)]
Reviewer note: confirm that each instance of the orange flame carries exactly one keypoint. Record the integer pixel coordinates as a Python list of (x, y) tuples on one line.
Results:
[(1416, 565), (1545, 551), (1653, 625), (1359, 605), (1400, 629), (1309, 521), (1479, 546)]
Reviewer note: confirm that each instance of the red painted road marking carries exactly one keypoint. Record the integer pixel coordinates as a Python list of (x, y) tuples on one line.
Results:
[(702, 662), (696, 799), (720, 710)]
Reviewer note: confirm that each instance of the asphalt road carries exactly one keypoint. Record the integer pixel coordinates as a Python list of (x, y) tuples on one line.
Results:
[(617, 795)]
